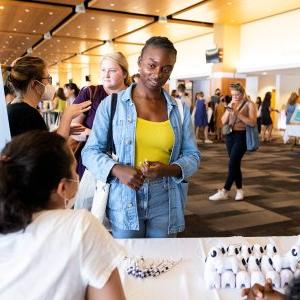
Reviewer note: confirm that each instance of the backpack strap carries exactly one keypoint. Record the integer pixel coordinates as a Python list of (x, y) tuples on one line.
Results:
[(110, 141)]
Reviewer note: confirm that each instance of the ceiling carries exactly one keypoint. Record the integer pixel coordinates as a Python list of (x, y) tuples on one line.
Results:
[(62, 33)]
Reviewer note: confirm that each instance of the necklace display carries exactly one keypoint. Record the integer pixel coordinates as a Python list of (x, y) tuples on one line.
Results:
[(139, 268)]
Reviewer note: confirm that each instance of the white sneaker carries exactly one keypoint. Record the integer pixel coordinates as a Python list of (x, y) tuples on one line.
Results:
[(239, 195), (219, 195), (208, 141)]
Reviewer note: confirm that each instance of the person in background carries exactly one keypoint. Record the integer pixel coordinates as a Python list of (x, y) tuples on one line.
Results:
[(38, 182), (174, 94), (210, 118), (59, 101), (266, 121), (238, 114), (9, 94), (115, 77), (201, 117), (181, 91), (71, 91), (258, 108), (31, 82), (219, 112), (291, 106), (156, 150), (135, 78)]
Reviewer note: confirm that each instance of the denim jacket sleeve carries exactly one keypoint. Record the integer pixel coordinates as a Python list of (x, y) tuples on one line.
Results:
[(93, 154), (189, 157)]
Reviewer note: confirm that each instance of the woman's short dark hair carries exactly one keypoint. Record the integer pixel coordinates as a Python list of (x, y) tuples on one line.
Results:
[(267, 99), (160, 42), (73, 86), (31, 167), (24, 70)]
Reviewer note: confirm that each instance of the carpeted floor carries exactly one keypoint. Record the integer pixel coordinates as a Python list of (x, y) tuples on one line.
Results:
[(271, 184)]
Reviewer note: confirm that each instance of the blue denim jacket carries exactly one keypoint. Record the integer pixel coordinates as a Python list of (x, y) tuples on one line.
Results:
[(122, 205)]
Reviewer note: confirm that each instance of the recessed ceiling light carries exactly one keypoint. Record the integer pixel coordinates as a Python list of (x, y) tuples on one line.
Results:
[(34, 31), (6, 42), (68, 33), (58, 41), (41, 23), (78, 26), (264, 73), (115, 30), (1, 7), (112, 4), (23, 43), (73, 42), (65, 47), (45, 49), (15, 29), (27, 37), (27, 10), (97, 28), (19, 47), (3, 46), (113, 20), (92, 18), (10, 37), (157, 10), (20, 21), (50, 13), (229, 3)]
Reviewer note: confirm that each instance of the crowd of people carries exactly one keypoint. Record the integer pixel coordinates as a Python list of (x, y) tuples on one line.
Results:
[(155, 154)]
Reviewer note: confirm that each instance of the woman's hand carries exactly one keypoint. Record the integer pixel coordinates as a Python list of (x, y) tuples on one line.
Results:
[(129, 176), (74, 110), (262, 292), (153, 169), (76, 129), (156, 169)]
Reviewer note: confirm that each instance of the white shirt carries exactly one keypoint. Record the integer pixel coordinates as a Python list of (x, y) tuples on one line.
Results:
[(58, 255)]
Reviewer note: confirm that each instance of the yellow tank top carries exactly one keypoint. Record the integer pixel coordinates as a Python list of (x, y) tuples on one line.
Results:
[(154, 141)]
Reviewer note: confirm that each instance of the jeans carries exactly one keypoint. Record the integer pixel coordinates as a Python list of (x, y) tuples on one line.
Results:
[(236, 148), (153, 212)]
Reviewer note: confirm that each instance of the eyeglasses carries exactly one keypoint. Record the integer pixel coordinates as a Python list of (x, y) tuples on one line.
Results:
[(49, 78), (73, 180)]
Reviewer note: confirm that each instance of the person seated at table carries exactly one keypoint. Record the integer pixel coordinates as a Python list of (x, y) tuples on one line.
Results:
[(47, 250), (267, 292), (31, 81), (156, 150)]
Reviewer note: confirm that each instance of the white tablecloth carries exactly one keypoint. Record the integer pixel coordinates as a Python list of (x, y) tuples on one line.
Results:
[(291, 131), (186, 280)]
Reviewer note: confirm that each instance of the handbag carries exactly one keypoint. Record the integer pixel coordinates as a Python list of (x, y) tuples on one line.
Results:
[(252, 138), (102, 188)]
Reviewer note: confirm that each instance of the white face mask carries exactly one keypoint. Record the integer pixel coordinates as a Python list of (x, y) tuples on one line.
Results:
[(69, 203), (48, 92)]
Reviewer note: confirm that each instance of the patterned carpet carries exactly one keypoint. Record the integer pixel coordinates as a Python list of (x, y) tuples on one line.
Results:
[(271, 178)]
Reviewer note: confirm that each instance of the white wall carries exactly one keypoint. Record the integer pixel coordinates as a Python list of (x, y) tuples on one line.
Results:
[(266, 84), (202, 85), (191, 60), (288, 84), (252, 87), (270, 43)]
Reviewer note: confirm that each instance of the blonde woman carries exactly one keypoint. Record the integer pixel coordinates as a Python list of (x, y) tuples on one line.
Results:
[(115, 77), (239, 113)]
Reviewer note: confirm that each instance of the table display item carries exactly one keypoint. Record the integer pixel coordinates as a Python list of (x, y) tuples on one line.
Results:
[(241, 266), (143, 268)]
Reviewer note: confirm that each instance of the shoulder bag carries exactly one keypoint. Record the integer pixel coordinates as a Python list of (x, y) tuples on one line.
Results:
[(102, 188)]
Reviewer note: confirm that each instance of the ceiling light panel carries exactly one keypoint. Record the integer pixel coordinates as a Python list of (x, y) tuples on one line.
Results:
[(14, 18), (103, 21)]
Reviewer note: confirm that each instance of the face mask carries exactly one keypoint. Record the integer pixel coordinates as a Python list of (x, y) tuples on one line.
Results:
[(69, 203), (48, 92)]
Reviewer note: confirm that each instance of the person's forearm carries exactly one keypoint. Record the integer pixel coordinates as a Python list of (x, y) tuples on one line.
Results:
[(64, 126), (171, 171)]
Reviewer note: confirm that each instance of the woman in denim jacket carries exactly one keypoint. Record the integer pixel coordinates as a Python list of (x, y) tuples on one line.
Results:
[(155, 147)]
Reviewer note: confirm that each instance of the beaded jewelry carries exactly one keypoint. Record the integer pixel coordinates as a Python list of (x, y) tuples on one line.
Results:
[(139, 269)]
